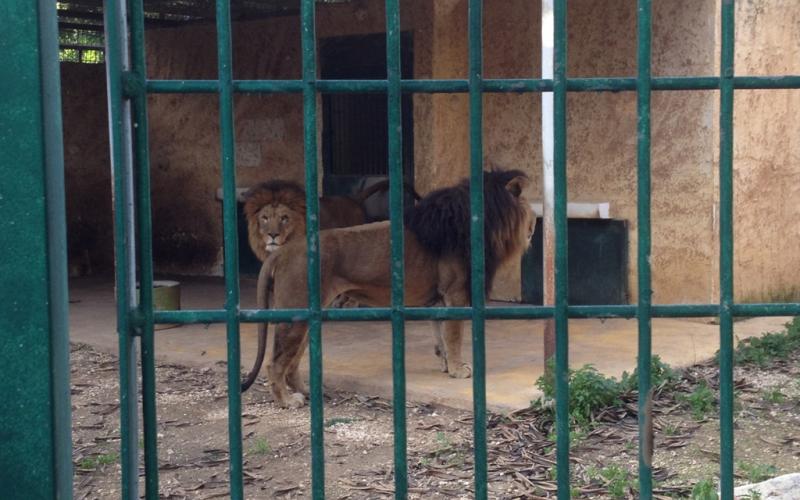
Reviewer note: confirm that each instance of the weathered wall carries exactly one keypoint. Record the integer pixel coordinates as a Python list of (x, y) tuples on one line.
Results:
[(87, 175), (601, 127), (767, 153)]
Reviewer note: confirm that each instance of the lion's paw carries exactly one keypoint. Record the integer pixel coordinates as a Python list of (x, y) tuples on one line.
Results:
[(464, 371), (296, 400)]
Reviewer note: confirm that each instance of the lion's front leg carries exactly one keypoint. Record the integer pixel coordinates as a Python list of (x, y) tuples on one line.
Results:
[(439, 349), (452, 342)]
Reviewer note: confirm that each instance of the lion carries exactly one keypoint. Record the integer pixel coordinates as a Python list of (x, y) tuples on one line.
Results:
[(276, 212), (355, 261)]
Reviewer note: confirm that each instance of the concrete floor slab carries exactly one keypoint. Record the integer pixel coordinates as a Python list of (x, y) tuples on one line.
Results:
[(357, 356)]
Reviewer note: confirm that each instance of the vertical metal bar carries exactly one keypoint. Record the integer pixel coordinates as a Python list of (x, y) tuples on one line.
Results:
[(224, 62), (560, 222), (395, 130), (478, 291), (643, 249), (548, 243), (58, 293), (145, 247), (726, 250), (121, 164), (308, 45)]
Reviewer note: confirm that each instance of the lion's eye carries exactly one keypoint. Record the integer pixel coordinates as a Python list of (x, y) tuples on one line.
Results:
[(284, 219), (265, 218)]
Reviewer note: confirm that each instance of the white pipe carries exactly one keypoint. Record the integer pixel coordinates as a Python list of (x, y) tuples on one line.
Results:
[(548, 221)]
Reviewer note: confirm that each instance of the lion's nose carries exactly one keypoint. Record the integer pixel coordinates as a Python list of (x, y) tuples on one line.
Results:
[(273, 235)]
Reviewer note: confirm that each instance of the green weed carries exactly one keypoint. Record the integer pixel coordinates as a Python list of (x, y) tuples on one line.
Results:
[(261, 447), (755, 473), (701, 401), (705, 490), (95, 461)]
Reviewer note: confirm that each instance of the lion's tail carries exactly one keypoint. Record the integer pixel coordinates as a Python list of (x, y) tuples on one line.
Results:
[(264, 286)]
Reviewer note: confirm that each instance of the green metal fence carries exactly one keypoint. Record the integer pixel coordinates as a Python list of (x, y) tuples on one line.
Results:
[(128, 90)]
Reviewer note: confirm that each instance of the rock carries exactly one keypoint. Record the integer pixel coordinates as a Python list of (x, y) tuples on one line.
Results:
[(785, 487)]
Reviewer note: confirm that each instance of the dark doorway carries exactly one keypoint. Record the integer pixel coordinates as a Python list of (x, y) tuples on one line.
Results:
[(355, 126), (597, 251)]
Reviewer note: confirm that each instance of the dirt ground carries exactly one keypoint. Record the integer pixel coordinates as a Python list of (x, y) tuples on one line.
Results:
[(192, 433)]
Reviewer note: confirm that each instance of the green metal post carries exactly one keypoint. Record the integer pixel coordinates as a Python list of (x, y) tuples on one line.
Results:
[(395, 133), (560, 210), (726, 251), (35, 425), (145, 250), (119, 114), (475, 34), (231, 252), (643, 250), (308, 47)]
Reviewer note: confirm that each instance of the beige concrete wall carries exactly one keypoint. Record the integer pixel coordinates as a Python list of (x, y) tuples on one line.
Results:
[(767, 154)]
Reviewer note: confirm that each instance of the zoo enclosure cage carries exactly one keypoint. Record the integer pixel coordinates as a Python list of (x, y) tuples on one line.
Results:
[(128, 89)]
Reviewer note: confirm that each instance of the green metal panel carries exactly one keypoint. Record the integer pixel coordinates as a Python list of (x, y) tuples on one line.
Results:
[(36, 455), (598, 263)]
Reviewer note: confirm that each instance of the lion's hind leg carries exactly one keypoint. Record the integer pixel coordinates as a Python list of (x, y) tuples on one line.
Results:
[(290, 343)]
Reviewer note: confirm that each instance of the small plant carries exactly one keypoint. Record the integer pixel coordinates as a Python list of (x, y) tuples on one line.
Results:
[(96, 461), (447, 451), (774, 396), (705, 490), (755, 473), (661, 376), (589, 391), (618, 481), (575, 437), (753, 494), (671, 430), (701, 401), (338, 420), (761, 350), (261, 447)]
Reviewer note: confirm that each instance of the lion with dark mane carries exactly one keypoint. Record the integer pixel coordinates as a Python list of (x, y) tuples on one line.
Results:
[(355, 261)]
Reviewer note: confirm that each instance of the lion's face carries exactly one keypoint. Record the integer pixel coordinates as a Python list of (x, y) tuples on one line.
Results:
[(277, 224)]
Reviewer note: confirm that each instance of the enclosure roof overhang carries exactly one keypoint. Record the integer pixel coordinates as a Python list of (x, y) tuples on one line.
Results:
[(88, 14)]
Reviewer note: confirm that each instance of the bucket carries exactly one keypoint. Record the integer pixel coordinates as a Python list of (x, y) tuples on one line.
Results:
[(166, 297)]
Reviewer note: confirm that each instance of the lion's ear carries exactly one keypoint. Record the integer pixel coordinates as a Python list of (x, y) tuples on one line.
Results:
[(516, 185)]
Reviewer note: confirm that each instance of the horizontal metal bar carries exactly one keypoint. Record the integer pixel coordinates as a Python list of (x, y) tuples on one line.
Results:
[(510, 85), (465, 313)]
